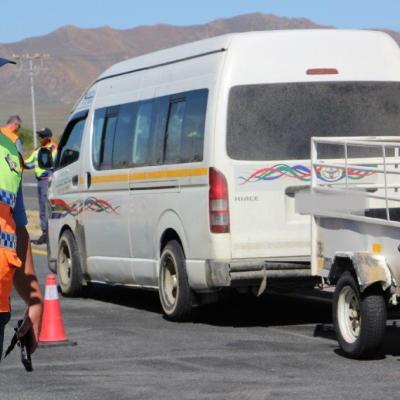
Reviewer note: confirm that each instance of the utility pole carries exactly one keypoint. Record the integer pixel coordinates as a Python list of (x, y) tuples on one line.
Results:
[(35, 65)]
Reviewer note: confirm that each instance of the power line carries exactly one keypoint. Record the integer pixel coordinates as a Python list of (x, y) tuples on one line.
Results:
[(34, 65)]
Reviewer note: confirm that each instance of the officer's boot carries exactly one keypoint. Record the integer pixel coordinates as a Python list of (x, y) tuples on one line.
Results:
[(42, 239)]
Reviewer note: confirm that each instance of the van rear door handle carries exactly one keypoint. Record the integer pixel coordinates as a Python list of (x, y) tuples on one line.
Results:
[(75, 180)]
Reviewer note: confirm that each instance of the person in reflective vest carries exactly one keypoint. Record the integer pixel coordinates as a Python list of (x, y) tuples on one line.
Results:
[(42, 177), (10, 180), (11, 129), (16, 262)]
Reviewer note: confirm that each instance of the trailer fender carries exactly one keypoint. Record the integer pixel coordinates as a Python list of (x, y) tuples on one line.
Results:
[(369, 268)]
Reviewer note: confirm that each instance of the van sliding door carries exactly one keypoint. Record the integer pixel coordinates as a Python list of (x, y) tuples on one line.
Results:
[(105, 202)]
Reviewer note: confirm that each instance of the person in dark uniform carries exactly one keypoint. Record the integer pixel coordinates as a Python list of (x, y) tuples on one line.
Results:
[(42, 177)]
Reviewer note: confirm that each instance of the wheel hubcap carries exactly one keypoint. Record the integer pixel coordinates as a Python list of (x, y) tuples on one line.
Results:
[(349, 316), (170, 281), (65, 264)]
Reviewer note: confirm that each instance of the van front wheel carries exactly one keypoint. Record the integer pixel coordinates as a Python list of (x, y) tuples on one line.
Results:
[(175, 294), (69, 273)]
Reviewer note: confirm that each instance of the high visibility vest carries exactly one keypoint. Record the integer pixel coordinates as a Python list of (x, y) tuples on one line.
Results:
[(32, 160), (10, 180)]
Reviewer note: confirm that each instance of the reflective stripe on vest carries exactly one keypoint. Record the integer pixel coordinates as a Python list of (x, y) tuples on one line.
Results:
[(8, 240), (7, 198)]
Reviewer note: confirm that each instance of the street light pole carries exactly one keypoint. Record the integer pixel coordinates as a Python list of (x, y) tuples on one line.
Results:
[(32, 70), (31, 75)]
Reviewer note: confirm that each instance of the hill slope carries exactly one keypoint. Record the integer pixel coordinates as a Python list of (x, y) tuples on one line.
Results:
[(77, 56)]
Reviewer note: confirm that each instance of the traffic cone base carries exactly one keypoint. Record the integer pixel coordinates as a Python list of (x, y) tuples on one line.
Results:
[(44, 345)]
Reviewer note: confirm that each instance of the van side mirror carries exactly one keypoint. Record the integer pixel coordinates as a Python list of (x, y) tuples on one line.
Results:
[(69, 156), (45, 159)]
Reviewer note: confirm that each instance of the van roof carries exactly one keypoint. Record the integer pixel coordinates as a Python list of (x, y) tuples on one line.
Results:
[(221, 43)]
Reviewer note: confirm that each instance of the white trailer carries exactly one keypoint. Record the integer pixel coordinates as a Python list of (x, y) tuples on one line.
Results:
[(355, 233)]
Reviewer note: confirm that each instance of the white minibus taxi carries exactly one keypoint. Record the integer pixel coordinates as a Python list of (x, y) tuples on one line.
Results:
[(177, 169)]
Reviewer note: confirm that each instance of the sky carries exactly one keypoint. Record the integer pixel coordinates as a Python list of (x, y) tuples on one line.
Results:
[(26, 18)]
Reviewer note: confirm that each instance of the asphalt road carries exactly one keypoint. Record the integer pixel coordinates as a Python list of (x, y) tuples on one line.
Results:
[(243, 348)]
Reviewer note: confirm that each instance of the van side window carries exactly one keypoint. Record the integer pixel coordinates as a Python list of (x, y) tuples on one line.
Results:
[(98, 126), (160, 116), (123, 141), (193, 127), (164, 130), (141, 143), (70, 143), (184, 139), (174, 132), (105, 121), (107, 142)]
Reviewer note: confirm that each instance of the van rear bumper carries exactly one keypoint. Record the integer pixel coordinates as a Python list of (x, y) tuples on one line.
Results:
[(246, 272)]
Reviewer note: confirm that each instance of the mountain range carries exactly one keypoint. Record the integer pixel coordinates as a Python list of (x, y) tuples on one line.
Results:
[(75, 57)]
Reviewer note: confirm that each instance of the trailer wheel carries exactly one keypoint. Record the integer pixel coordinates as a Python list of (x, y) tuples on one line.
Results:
[(69, 273), (359, 318), (175, 294)]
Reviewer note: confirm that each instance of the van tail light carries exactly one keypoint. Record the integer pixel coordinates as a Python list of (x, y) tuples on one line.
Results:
[(218, 202)]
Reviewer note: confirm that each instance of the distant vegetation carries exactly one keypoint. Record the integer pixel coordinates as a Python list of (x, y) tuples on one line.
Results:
[(27, 140)]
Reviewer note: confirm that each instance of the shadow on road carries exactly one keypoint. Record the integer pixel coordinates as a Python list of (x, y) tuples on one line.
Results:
[(391, 345), (267, 310), (248, 311), (232, 310), (134, 298)]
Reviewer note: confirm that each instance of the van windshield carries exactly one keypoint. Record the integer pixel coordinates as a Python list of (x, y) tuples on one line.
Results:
[(276, 121)]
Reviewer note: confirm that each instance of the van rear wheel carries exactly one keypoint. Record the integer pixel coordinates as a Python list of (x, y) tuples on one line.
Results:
[(175, 294), (359, 318), (69, 273)]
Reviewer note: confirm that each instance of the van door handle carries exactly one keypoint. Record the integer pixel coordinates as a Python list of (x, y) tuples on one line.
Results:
[(75, 180), (88, 179)]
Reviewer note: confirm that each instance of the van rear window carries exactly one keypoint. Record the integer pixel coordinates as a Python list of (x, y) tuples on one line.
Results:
[(276, 121)]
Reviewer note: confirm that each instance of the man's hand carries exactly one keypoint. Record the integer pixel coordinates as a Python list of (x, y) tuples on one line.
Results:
[(31, 326), (27, 285)]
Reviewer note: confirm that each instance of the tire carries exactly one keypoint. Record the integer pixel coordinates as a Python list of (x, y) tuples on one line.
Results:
[(359, 318), (69, 272), (175, 294)]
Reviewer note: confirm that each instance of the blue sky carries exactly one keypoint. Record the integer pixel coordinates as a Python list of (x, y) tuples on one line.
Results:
[(26, 18)]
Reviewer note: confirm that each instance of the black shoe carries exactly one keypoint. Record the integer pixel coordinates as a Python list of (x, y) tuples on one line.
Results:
[(41, 240)]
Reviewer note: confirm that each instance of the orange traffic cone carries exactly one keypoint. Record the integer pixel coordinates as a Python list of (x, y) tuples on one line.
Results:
[(52, 331)]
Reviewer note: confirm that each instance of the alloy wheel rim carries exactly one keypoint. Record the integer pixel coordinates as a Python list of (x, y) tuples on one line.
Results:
[(349, 315), (169, 281), (65, 264)]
